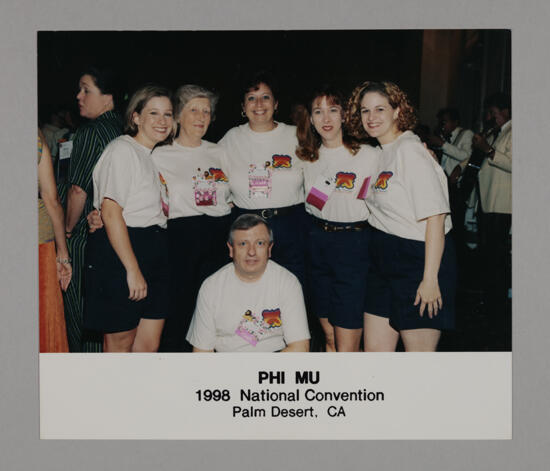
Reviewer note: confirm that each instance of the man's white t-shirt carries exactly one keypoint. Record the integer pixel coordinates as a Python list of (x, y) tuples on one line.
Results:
[(348, 173), (190, 172), (247, 151), (125, 173), (232, 315), (409, 187)]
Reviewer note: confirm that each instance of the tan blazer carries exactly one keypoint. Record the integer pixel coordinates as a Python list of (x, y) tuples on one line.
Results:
[(495, 175)]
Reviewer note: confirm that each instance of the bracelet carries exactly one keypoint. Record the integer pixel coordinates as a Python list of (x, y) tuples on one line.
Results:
[(63, 260)]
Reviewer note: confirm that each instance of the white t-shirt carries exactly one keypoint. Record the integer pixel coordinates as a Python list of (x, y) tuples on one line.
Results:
[(410, 186), (281, 184), (126, 174), (232, 315), (348, 173), (191, 173)]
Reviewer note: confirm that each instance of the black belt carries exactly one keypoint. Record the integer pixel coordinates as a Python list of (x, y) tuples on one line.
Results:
[(328, 226), (268, 213)]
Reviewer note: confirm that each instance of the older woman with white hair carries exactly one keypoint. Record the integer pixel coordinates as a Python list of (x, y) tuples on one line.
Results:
[(198, 209)]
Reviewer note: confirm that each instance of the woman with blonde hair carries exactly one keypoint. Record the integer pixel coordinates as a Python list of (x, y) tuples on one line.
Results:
[(412, 278), (126, 270)]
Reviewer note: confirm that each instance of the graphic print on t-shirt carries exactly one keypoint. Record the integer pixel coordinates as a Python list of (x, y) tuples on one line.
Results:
[(253, 327), (204, 188), (382, 180), (217, 174), (282, 161), (259, 181), (345, 180), (164, 201), (272, 317)]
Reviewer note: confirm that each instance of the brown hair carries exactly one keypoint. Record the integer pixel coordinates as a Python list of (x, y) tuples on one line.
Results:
[(309, 139), (139, 100), (397, 98)]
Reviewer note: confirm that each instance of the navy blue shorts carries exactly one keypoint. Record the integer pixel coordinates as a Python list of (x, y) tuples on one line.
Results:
[(396, 270), (106, 304), (338, 275)]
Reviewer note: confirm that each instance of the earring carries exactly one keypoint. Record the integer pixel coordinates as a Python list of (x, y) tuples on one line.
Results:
[(243, 114)]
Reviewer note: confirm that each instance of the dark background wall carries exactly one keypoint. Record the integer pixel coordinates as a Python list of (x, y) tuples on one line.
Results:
[(435, 67)]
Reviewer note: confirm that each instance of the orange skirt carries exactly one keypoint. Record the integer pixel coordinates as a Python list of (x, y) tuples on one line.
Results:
[(53, 333)]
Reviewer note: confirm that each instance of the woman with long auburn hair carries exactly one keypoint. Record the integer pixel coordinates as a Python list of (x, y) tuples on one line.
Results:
[(412, 278), (337, 172)]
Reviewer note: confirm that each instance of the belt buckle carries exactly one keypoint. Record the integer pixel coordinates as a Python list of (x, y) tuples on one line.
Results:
[(267, 213)]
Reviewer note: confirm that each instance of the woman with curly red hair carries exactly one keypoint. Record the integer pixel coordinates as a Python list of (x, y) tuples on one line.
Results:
[(337, 169), (412, 276)]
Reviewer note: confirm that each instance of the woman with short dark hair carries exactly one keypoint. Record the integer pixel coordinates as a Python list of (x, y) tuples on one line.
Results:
[(98, 91), (264, 173)]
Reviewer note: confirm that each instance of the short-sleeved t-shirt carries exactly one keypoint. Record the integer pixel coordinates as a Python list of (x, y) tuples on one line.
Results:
[(348, 172), (186, 171), (244, 147), (125, 173), (236, 316), (409, 187), (89, 142)]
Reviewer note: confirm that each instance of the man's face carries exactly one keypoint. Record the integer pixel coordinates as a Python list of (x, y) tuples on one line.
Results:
[(499, 116), (250, 252), (447, 124)]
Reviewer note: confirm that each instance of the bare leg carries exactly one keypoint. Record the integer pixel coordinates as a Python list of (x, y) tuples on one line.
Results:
[(148, 335), (347, 340), (328, 329), (420, 340), (379, 335), (119, 341)]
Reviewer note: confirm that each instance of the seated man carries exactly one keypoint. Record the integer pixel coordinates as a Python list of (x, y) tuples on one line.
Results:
[(251, 304)]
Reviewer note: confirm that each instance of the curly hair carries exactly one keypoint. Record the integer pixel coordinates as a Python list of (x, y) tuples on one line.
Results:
[(397, 98), (309, 140)]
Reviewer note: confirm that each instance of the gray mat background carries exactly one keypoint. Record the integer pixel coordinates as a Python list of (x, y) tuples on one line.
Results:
[(20, 447)]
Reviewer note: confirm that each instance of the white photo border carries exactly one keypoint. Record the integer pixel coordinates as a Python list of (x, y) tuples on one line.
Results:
[(19, 405)]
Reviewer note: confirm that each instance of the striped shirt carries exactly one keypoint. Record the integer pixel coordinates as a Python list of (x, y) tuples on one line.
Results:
[(88, 144)]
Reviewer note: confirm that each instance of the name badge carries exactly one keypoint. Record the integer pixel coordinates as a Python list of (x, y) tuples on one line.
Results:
[(320, 191), (65, 149), (259, 181), (362, 194), (250, 328)]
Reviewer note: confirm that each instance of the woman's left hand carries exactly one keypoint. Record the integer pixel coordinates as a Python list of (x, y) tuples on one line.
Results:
[(64, 274), (429, 296)]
